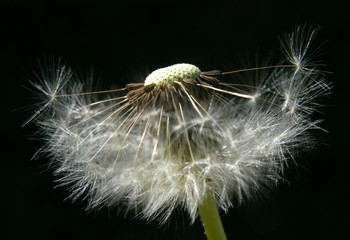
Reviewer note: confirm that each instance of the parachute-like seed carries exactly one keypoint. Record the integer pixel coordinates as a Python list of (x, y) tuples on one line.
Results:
[(165, 143)]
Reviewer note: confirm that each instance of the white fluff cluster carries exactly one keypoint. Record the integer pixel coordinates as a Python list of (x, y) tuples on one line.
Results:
[(154, 147)]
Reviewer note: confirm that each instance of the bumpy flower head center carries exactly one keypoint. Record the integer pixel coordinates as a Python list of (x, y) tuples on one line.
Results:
[(177, 72)]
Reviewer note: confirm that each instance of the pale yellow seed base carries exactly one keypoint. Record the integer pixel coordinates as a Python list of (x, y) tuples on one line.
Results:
[(177, 72)]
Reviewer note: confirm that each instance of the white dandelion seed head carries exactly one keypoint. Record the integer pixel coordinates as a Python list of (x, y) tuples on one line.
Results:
[(166, 143)]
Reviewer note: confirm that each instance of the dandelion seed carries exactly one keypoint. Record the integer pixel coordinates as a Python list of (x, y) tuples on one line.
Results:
[(183, 138)]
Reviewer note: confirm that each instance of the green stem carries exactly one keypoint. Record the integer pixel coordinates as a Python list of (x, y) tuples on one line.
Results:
[(211, 219)]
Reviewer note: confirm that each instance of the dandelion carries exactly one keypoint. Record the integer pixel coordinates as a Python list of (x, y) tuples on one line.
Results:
[(183, 138)]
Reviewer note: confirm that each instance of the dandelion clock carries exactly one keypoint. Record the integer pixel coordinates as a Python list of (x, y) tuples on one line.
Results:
[(184, 138)]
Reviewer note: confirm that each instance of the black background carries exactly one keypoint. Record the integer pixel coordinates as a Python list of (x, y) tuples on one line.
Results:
[(121, 41)]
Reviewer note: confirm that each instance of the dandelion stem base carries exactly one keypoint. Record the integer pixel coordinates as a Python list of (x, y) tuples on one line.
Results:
[(211, 219)]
